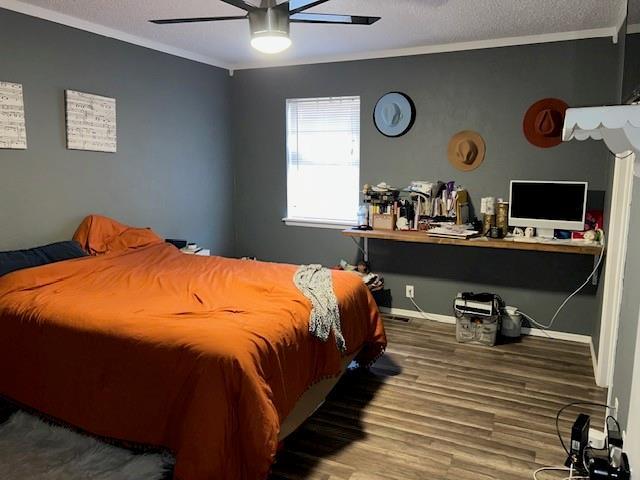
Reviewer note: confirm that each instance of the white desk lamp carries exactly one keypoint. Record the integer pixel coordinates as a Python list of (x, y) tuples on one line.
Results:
[(618, 126)]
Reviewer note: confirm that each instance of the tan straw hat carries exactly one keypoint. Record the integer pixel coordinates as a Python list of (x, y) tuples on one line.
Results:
[(466, 150)]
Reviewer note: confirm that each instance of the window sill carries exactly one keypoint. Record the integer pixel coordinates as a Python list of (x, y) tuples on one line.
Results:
[(306, 222)]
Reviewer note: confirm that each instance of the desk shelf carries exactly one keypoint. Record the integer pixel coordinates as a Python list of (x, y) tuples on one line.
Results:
[(555, 246)]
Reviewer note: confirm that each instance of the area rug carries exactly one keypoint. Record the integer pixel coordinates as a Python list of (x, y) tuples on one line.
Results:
[(34, 450)]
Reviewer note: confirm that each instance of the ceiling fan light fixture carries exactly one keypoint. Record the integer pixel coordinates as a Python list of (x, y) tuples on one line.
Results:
[(269, 20), (270, 30), (272, 43)]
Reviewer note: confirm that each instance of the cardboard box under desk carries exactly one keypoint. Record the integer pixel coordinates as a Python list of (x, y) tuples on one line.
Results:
[(383, 221)]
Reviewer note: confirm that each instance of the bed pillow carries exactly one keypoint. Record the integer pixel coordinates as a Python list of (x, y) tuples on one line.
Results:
[(100, 235), (34, 257)]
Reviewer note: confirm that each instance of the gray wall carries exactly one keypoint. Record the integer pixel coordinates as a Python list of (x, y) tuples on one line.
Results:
[(173, 169), (631, 65), (485, 90)]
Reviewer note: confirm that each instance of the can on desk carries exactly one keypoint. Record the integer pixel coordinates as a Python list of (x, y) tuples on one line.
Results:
[(502, 218), (488, 221)]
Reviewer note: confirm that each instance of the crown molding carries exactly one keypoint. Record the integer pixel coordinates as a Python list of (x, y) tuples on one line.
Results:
[(633, 28), (446, 48), (70, 21)]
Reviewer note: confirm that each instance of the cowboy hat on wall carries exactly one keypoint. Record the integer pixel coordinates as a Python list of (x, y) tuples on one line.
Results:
[(394, 114), (543, 122), (466, 150)]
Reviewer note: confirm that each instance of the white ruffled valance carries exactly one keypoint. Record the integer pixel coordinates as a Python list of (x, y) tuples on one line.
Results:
[(618, 126)]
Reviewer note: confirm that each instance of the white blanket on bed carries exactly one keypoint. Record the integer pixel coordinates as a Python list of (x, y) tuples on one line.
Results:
[(316, 283)]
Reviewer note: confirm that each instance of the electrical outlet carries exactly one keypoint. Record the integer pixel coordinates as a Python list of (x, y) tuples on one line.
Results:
[(409, 291)]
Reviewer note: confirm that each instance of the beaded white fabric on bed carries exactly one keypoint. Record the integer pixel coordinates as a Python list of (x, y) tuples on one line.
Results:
[(316, 283)]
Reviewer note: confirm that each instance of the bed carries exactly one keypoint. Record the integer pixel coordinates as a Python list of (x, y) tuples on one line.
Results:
[(206, 356)]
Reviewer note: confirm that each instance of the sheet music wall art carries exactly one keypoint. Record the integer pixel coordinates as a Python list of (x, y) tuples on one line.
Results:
[(13, 132), (91, 122)]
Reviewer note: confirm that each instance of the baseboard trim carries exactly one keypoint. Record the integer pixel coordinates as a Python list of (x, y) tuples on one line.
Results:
[(534, 332), (418, 315)]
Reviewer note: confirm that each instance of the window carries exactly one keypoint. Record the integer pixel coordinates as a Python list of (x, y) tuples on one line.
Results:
[(323, 159)]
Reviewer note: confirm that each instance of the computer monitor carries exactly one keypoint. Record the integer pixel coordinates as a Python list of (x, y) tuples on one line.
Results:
[(547, 205)]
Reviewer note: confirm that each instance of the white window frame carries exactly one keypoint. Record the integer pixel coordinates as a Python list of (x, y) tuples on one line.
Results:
[(314, 222)]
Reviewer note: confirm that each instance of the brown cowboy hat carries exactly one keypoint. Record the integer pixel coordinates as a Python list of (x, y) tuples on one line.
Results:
[(466, 150), (543, 122)]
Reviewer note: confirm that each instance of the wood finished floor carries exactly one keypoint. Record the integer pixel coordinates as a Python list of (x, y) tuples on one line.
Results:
[(435, 409)]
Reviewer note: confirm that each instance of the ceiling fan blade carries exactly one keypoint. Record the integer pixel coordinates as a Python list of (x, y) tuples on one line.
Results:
[(240, 4), (297, 6), (330, 18), (195, 20)]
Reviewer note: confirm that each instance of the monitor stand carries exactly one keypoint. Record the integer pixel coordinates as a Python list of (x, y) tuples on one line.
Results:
[(548, 233)]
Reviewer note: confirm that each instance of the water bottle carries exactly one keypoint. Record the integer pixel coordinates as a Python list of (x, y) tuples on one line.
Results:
[(363, 213)]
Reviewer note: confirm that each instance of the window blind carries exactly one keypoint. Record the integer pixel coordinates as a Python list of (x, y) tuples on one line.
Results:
[(323, 158)]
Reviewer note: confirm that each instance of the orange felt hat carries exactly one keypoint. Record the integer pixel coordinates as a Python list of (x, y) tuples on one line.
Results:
[(543, 122)]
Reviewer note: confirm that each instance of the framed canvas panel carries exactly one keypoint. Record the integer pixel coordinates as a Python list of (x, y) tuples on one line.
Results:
[(13, 131), (91, 122)]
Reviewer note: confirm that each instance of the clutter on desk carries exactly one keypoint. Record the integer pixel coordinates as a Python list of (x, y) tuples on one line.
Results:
[(593, 225), (444, 209), (383, 188), (383, 207), (414, 208), (373, 281), (502, 218), (495, 217), (593, 230), (452, 231), (384, 221)]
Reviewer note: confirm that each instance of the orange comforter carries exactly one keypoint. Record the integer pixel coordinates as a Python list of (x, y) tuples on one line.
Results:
[(204, 356)]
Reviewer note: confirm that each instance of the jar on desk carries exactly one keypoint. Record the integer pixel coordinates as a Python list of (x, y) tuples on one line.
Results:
[(502, 218)]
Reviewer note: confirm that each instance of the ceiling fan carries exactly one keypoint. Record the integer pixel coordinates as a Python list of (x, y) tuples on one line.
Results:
[(269, 22)]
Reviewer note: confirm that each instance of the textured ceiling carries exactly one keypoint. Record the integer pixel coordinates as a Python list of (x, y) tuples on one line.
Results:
[(405, 24)]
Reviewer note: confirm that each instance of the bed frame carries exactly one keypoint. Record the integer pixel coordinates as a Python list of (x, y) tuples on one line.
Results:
[(311, 400)]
